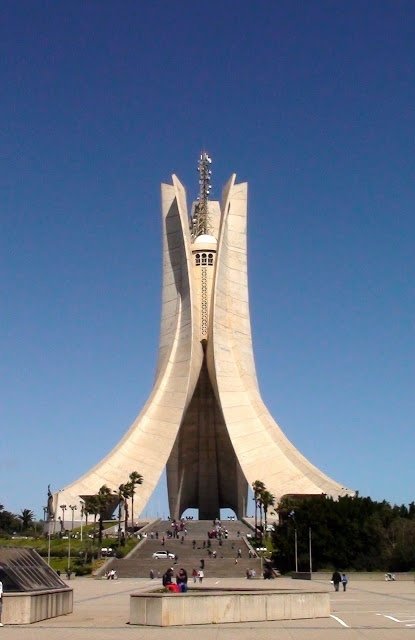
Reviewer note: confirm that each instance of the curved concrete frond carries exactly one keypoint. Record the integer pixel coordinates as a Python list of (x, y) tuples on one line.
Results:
[(205, 420)]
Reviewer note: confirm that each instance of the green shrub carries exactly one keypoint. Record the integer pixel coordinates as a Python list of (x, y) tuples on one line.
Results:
[(83, 570)]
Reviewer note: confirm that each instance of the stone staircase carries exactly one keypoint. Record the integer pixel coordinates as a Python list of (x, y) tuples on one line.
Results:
[(190, 549)]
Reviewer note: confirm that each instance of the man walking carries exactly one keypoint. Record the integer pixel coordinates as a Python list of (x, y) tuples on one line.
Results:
[(1, 601), (336, 580)]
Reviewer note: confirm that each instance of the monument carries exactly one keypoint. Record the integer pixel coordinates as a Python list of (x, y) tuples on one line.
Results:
[(205, 420)]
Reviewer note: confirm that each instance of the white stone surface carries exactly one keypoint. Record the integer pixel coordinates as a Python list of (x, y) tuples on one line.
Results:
[(204, 311)]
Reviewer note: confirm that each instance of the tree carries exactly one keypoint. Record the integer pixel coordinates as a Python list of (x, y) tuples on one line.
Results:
[(27, 517), (135, 479), (257, 488), (104, 498), (8, 521), (92, 508), (124, 492), (267, 500)]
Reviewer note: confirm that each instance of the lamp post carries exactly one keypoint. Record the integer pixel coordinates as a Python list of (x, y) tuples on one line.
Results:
[(296, 550), (46, 516), (73, 509), (82, 515), (63, 507), (49, 540), (309, 550), (292, 516)]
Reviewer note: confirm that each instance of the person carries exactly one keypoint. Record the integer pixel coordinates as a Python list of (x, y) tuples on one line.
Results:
[(344, 581), (194, 574), (181, 580), (201, 575), (151, 574), (1, 601), (168, 577), (336, 579), (111, 575)]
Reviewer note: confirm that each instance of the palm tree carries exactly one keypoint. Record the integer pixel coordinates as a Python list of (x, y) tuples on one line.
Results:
[(135, 478), (124, 492), (267, 500), (104, 498), (26, 517), (128, 488), (257, 488), (91, 507)]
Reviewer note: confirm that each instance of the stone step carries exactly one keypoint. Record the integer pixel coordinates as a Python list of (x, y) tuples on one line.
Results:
[(232, 554), (219, 568)]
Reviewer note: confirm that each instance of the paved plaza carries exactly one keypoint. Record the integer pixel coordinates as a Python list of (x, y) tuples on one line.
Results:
[(369, 609)]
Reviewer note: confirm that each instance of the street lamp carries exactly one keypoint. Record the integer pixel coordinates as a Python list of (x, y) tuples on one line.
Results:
[(82, 514), (63, 507), (46, 516), (292, 516), (73, 509), (296, 550), (309, 550)]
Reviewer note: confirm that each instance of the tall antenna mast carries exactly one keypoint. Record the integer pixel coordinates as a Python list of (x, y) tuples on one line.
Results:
[(200, 221)]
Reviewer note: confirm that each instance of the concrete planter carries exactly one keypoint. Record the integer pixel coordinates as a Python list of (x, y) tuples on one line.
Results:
[(33, 606), (163, 610)]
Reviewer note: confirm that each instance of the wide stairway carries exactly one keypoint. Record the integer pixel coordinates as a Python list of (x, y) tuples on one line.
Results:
[(190, 549)]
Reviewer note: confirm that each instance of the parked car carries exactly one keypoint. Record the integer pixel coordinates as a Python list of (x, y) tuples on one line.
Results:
[(163, 555)]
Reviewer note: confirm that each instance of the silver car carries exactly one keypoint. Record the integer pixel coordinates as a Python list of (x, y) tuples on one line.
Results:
[(163, 555)]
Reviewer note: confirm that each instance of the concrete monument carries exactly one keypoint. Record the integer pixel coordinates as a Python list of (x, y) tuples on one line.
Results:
[(205, 420)]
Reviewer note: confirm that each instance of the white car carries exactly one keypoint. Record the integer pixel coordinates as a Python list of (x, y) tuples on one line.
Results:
[(163, 555)]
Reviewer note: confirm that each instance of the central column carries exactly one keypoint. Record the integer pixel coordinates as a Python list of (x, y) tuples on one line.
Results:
[(203, 472)]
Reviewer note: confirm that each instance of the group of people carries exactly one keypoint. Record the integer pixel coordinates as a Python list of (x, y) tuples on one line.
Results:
[(111, 575), (338, 579), (179, 584)]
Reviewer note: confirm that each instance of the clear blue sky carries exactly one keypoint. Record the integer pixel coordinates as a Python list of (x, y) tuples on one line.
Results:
[(313, 103)]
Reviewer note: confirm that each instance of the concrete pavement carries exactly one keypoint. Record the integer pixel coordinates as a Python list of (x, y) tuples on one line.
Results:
[(369, 609)]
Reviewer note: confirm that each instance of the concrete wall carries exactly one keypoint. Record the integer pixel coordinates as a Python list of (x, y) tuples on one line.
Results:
[(164, 610), (28, 607)]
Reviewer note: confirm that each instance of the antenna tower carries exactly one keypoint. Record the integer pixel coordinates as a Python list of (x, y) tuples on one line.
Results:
[(200, 221)]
